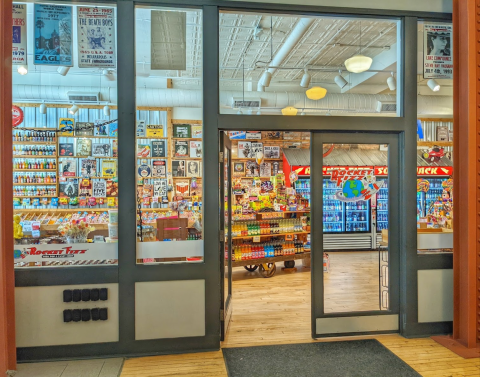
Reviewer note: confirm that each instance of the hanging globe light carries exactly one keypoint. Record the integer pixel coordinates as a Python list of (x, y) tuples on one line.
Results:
[(316, 93), (289, 110), (358, 63)]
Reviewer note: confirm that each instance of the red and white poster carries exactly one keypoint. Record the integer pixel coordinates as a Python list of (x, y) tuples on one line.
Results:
[(19, 40), (437, 51)]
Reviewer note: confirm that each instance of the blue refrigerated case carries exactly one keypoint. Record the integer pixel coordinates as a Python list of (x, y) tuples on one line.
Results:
[(427, 199), (333, 209), (382, 206)]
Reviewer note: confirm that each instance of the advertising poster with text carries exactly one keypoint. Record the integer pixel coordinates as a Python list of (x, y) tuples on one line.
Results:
[(19, 40), (437, 51)]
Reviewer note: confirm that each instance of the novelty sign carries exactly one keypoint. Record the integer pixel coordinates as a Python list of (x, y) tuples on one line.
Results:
[(355, 184)]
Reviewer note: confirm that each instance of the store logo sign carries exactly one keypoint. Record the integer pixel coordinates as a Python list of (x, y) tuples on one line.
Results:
[(355, 184), (64, 252)]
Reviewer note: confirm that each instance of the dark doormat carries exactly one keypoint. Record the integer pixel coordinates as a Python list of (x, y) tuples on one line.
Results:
[(356, 358)]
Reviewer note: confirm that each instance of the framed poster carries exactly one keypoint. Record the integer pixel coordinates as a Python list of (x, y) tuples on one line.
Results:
[(112, 188), (256, 147), (68, 167), (237, 135), (113, 129), (197, 131), (101, 128), (181, 148), (252, 169), (114, 148), (255, 135), (244, 149), (178, 168), (19, 34), (158, 148), (193, 169), (88, 167), (109, 168), (99, 189), (239, 169), (65, 149), (437, 51), (182, 131), (275, 167), (271, 151), (265, 169), (143, 150), (144, 170), (182, 187), (69, 188), (84, 147), (140, 128), (85, 187), (84, 129), (65, 126), (96, 37), (101, 150), (195, 149), (159, 168), (159, 187), (154, 130), (53, 35)]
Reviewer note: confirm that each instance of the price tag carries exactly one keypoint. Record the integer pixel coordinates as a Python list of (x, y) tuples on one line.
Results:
[(256, 239)]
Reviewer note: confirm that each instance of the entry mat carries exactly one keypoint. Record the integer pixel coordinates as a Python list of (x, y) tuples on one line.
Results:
[(356, 358)]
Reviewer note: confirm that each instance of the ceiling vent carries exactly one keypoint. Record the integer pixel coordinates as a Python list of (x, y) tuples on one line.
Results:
[(386, 107), (246, 103), (83, 97)]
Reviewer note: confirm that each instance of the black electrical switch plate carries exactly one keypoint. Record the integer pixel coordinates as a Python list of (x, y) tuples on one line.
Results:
[(94, 294), (76, 315), (77, 295), (103, 314), (85, 315), (95, 313), (85, 294), (67, 295), (67, 315), (103, 294)]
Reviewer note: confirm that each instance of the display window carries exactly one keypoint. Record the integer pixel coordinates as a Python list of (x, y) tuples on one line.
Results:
[(65, 131), (169, 144)]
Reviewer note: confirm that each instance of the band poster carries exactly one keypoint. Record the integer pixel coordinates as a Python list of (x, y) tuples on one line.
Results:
[(53, 34), (96, 37), (19, 41), (437, 51)]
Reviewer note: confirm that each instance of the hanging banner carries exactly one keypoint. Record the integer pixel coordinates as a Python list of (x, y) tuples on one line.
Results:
[(96, 37), (19, 40), (437, 51), (53, 34)]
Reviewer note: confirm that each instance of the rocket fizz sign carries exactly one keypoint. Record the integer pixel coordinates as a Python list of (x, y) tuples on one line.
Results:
[(355, 184)]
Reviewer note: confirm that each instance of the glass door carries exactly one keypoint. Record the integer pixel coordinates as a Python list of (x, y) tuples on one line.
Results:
[(225, 230), (355, 276)]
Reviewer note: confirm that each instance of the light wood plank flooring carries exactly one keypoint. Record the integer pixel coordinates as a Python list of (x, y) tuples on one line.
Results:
[(277, 311)]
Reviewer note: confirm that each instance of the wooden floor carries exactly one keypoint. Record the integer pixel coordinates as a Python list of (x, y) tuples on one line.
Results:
[(277, 311)]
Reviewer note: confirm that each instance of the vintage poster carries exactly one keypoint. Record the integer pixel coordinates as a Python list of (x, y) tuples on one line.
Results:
[(154, 130), (178, 168), (197, 131), (53, 35), (88, 167), (244, 149), (193, 169), (182, 187), (112, 188), (140, 128), (159, 187), (159, 168), (237, 135), (181, 148), (256, 147), (195, 149), (271, 135), (265, 169), (65, 126), (238, 169), (144, 170), (182, 131), (109, 168), (271, 151), (99, 188), (276, 167), (143, 150), (437, 51), (253, 135), (68, 167), (65, 149), (84, 129), (69, 188), (158, 148), (113, 129), (101, 150), (114, 148), (96, 37), (85, 188), (84, 147), (252, 169), (101, 128), (19, 41)]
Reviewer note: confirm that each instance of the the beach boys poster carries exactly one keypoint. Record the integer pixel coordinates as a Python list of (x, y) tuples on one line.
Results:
[(19, 40), (437, 51), (96, 37), (53, 34)]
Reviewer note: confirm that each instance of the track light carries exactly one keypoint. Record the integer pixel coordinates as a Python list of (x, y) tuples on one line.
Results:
[(22, 70), (108, 74), (391, 82), (260, 87), (43, 108), (63, 70), (432, 84), (305, 79), (73, 110), (302, 113), (266, 78), (340, 80), (106, 110)]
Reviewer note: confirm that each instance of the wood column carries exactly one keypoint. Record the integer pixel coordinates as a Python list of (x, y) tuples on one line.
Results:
[(466, 109), (8, 359)]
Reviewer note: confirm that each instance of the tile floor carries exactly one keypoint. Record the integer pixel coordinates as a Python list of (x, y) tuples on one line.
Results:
[(76, 368)]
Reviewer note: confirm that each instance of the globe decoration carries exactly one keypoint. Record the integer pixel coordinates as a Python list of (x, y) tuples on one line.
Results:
[(352, 189)]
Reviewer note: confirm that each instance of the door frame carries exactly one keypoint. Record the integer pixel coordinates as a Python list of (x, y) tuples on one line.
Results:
[(394, 162)]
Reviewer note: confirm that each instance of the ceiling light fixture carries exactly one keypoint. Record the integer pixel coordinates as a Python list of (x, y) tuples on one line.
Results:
[(302, 113), (359, 63), (22, 70), (106, 110), (289, 110), (340, 80), (432, 84), (391, 82), (43, 108), (305, 79), (316, 93), (266, 78), (108, 74), (63, 70), (73, 110)]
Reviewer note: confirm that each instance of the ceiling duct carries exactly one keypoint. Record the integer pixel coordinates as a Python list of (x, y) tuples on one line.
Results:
[(83, 97), (246, 103), (386, 107)]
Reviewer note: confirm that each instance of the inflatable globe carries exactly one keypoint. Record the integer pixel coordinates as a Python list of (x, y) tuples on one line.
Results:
[(352, 189)]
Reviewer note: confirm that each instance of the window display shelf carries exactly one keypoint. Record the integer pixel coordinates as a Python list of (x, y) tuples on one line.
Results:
[(34, 170), (35, 196), (34, 184), (268, 235), (433, 143), (61, 209)]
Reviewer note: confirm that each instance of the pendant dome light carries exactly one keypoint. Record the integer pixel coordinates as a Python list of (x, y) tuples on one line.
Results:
[(316, 93), (359, 63), (289, 110), (305, 79)]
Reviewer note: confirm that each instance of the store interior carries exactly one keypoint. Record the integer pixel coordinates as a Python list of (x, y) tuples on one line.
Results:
[(65, 159)]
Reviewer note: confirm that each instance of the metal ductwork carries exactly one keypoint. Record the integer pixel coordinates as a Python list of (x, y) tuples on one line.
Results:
[(362, 103)]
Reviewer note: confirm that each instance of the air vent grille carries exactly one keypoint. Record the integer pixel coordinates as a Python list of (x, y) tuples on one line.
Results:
[(386, 107), (83, 97), (248, 103)]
